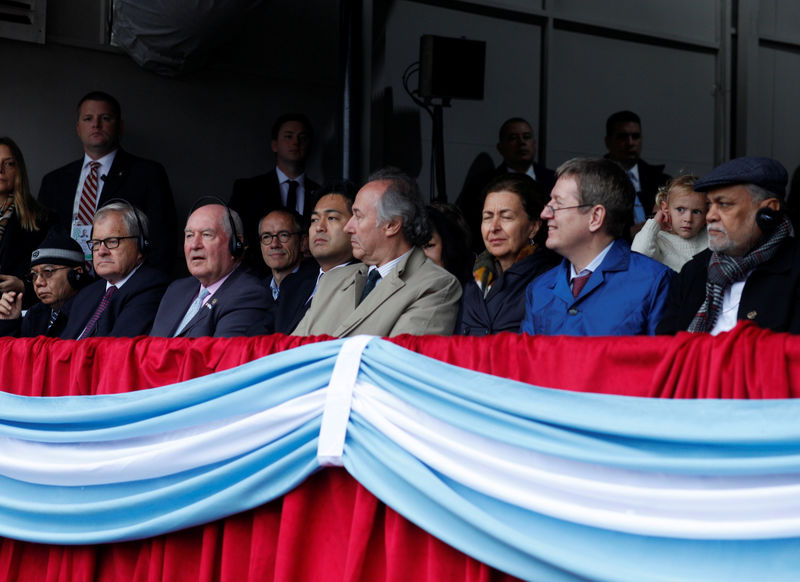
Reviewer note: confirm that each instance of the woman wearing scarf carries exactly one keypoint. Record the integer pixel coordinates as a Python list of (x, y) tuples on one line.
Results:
[(23, 222), (494, 300)]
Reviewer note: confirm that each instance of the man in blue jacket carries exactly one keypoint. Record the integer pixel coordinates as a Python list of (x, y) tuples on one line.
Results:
[(601, 287)]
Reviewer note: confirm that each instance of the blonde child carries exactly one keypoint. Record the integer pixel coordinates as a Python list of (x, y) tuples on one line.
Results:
[(677, 231)]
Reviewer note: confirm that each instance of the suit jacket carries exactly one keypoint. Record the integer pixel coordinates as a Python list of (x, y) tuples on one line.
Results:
[(470, 201), (253, 198), (131, 311), (651, 178), (771, 295), (417, 297), (292, 302), (237, 304), (626, 295), (36, 321), (141, 182)]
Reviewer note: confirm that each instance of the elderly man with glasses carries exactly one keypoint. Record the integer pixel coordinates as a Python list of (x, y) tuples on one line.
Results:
[(124, 300), (57, 274), (601, 287)]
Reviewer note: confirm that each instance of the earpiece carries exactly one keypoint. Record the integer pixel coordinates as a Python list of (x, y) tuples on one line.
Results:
[(768, 219), (235, 244), (78, 280)]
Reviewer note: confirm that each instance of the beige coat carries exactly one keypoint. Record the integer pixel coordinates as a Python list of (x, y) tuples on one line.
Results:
[(417, 297)]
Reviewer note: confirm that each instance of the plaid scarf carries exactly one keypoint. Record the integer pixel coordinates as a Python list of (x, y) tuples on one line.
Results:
[(724, 270), (487, 270), (6, 211)]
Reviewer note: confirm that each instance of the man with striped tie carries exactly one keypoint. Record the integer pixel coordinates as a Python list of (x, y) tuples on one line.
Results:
[(107, 171)]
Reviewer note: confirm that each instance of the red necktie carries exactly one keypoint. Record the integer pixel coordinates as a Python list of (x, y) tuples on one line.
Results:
[(88, 202), (89, 329), (578, 283)]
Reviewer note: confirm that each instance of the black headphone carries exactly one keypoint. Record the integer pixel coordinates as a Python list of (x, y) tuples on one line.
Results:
[(77, 279), (141, 242), (768, 219), (235, 245)]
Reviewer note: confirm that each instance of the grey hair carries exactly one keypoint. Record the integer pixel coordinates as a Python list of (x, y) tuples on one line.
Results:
[(759, 194), (402, 199), (126, 211)]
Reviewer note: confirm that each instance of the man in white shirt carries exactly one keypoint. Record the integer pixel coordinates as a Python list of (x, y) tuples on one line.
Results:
[(751, 270), (395, 289), (107, 171), (285, 186)]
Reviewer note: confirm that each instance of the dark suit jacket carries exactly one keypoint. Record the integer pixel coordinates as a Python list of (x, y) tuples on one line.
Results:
[(35, 322), (141, 182), (651, 178), (238, 303), (293, 301), (771, 295), (470, 201), (253, 198), (131, 311)]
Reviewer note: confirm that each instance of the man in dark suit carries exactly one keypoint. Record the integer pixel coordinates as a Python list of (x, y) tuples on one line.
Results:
[(284, 241), (123, 302), (106, 171), (286, 186), (624, 143), (517, 146), (221, 298)]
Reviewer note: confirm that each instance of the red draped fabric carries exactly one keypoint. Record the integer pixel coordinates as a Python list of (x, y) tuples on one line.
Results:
[(330, 527)]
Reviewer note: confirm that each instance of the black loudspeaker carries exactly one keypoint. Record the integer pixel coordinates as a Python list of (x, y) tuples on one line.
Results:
[(451, 67), (768, 219), (235, 245), (142, 243)]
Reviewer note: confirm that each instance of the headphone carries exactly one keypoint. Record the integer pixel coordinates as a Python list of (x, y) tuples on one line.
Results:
[(78, 280), (235, 245), (141, 242), (768, 219)]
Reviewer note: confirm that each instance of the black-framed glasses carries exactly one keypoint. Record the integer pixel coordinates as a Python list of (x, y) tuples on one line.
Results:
[(111, 242), (554, 209), (283, 236), (46, 274)]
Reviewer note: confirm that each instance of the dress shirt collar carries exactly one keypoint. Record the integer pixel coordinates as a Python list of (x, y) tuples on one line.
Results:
[(591, 267), (119, 284)]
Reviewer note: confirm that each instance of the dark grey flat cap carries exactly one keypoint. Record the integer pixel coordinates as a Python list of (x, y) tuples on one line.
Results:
[(765, 172)]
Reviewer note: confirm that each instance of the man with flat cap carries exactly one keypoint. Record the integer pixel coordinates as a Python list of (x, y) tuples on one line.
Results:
[(751, 269)]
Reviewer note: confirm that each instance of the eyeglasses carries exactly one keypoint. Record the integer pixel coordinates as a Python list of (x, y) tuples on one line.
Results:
[(6, 164), (553, 209), (283, 236), (46, 274), (111, 242)]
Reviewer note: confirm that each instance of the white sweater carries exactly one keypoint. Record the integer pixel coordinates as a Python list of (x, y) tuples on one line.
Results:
[(666, 247)]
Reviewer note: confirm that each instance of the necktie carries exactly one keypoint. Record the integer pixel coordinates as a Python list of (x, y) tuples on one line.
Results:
[(578, 283), (89, 329), (53, 318), (291, 197), (372, 280), (88, 202), (194, 308)]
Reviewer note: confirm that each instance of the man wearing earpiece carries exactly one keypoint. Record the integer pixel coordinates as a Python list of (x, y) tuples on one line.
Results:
[(57, 274), (124, 299), (221, 298), (751, 270)]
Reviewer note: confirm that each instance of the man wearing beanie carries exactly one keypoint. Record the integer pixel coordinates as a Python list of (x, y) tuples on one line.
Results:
[(56, 274), (751, 269)]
